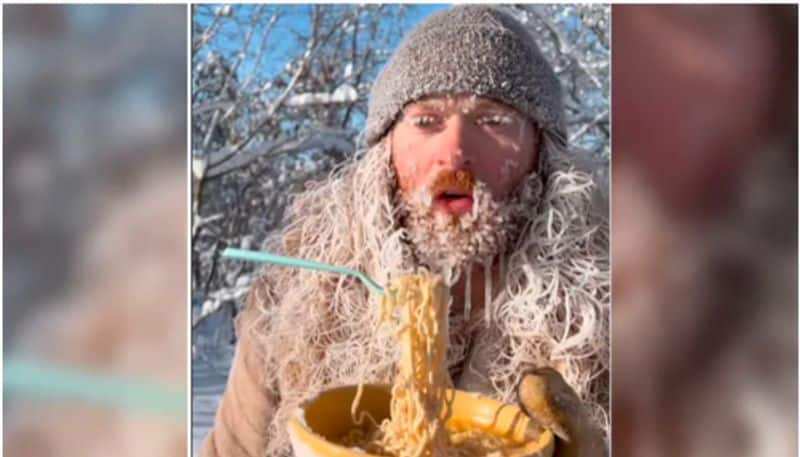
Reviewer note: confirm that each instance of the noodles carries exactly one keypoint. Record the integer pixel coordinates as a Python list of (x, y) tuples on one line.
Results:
[(418, 407), (477, 443), (416, 307)]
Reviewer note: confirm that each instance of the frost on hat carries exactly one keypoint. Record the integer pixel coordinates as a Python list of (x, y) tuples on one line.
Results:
[(467, 49)]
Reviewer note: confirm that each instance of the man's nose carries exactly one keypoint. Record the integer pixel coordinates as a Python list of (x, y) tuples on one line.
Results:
[(453, 150)]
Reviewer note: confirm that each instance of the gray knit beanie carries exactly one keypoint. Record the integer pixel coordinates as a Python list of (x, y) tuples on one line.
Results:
[(474, 49)]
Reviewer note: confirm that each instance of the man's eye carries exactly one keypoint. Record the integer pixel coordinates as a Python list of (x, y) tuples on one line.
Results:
[(423, 121), (495, 119)]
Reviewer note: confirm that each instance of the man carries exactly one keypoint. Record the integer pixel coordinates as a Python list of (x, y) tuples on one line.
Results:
[(467, 175)]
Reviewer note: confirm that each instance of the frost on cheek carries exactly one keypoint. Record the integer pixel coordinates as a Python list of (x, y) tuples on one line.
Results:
[(423, 197), (406, 169), (506, 169), (412, 168), (520, 134)]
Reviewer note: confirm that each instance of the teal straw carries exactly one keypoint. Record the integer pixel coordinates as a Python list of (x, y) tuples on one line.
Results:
[(28, 377), (259, 256)]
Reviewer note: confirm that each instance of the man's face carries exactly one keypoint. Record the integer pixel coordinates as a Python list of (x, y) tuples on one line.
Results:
[(460, 162), (492, 142)]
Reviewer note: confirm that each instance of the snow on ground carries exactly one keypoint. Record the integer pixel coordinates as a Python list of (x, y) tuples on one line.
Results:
[(212, 353)]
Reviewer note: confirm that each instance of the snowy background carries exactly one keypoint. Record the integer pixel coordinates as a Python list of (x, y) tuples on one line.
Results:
[(279, 96)]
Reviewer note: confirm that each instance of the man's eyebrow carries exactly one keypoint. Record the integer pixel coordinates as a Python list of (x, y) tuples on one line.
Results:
[(434, 104), (440, 104), (489, 104)]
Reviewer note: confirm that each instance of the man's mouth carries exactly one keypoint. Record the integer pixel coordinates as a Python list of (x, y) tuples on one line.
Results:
[(453, 202), (452, 192)]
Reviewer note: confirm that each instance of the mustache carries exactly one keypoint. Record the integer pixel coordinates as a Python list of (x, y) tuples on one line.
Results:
[(453, 181)]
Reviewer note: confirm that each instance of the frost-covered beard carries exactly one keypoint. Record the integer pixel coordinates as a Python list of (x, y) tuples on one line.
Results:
[(444, 241)]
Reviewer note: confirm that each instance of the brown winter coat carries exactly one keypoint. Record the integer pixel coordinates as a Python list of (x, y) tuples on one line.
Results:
[(244, 412)]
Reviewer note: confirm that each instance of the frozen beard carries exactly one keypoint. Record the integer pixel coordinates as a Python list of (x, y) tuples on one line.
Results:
[(446, 242)]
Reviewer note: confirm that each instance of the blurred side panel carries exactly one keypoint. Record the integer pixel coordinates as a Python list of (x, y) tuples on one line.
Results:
[(95, 233), (704, 230)]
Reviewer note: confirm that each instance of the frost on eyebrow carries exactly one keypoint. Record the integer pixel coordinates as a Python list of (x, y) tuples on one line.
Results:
[(437, 104), (499, 118), (493, 111), (473, 105), (420, 119), (460, 103)]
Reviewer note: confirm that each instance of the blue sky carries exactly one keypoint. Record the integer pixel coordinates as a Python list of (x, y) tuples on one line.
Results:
[(424, 10), (298, 20)]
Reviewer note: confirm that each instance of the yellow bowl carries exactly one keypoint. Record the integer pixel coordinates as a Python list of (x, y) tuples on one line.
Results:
[(319, 423)]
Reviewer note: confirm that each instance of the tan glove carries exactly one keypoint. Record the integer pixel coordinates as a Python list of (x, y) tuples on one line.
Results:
[(548, 400)]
